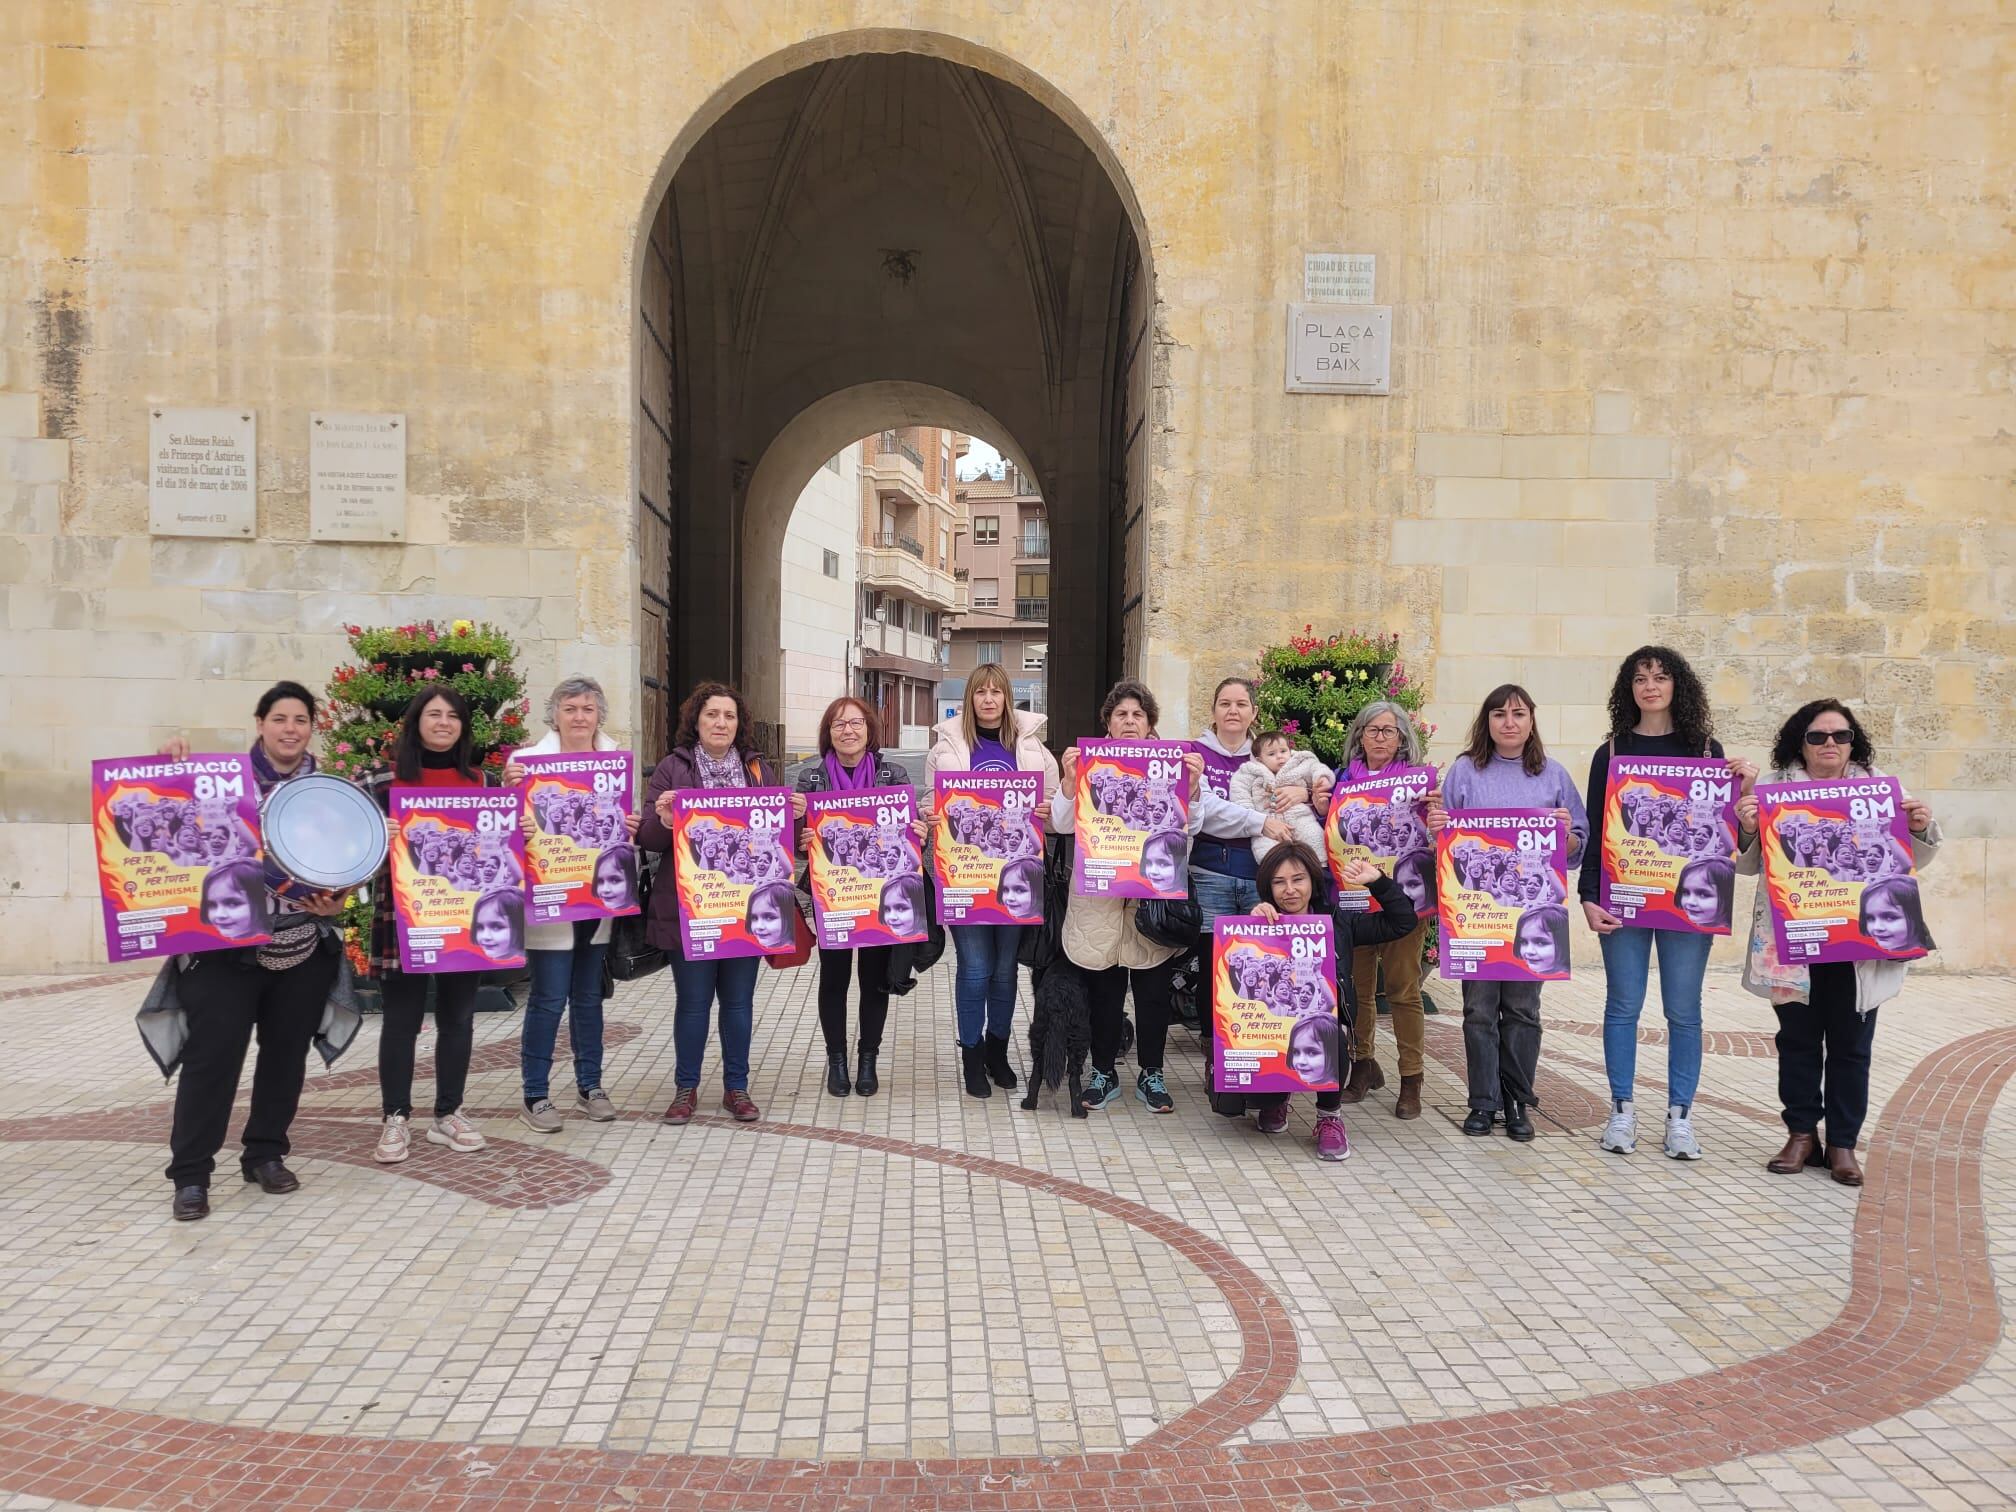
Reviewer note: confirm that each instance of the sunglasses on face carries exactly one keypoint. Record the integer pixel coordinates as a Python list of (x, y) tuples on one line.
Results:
[(1821, 737)]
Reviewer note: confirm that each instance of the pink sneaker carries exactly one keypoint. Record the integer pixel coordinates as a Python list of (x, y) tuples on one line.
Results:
[(1332, 1143), (1273, 1120)]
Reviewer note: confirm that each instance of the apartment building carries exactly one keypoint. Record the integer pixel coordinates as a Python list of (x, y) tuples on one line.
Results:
[(908, 590), (816, 628), (1004, 553)]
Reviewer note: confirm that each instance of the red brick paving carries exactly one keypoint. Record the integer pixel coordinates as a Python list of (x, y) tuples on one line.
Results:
[(1920, 1318)]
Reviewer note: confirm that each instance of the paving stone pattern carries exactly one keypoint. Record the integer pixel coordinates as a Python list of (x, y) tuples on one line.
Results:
[(922, 1300)]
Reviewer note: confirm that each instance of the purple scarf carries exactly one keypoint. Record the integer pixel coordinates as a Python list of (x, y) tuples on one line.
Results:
[(270, 777), (840, 780)]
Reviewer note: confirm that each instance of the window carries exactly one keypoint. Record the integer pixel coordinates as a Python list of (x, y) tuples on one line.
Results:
[(986, 529), (1032, 585), (931, 622), (916, 617), (986, 593), (831, 566), (833, 463), (1033, 656), (944, 547), (986, 651)]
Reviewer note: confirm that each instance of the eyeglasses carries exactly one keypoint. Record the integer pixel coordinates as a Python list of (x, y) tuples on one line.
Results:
[(850, 724), (1821, 737), (1391, 732)]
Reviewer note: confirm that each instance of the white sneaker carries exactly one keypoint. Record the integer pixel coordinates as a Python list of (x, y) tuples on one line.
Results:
[(1620, 1135), (1680, 1141), (457, 1133), (394, 1143)]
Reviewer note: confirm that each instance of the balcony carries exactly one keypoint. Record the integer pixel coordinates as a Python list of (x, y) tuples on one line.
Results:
[(1033, 545), (894, 468), (890, 443), (1032, 609), (891, 540), (895, 562)]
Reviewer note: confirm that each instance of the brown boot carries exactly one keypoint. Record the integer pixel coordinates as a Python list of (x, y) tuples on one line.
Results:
[(1409, 1103), (1844, 1166), (1365, 1077), (1794, 1158)]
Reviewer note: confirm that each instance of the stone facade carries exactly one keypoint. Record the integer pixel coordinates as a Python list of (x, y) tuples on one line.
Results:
[(1702, 322)]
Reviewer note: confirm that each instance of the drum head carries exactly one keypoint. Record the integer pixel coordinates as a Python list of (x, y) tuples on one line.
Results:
[(323, 832)]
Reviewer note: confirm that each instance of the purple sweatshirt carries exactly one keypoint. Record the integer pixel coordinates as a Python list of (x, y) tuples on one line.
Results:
[(1505, 783)]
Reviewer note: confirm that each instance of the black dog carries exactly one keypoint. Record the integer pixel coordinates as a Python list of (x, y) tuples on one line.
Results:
[(1060, 1034)]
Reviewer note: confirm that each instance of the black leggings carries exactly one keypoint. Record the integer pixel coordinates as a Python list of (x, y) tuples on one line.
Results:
[(455, 1036), (1152, 1008), (835, 968)]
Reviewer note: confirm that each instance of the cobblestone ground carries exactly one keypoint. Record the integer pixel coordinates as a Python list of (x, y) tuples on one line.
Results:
[(919, 1299)]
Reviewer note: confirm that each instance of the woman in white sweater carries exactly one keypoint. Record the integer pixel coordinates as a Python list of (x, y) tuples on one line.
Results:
[(566, 959)]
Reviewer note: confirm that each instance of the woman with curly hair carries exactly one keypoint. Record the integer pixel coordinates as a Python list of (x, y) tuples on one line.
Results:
[(1657, 708), (714, 747)]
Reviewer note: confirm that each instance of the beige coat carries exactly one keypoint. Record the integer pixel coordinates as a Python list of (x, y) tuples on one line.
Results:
[(1100, 932), (949, 754)]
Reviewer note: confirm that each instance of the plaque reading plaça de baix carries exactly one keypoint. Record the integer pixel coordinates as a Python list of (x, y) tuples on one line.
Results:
[(202, 472), (1340, 349), (356, 477)]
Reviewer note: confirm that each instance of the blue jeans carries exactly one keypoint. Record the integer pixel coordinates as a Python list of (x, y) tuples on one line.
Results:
[(1218, 894), (695, 986), (983, 989), (1627, 961), (569, 980)]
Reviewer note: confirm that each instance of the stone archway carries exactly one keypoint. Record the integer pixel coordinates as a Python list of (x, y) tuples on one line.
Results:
[(799, 450), (880, 227)]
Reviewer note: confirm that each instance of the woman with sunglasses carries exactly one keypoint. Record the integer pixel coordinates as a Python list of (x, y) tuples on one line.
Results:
[(1826, 1011)]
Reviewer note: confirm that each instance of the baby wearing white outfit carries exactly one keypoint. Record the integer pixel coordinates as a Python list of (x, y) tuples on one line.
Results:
[(1277, 764)]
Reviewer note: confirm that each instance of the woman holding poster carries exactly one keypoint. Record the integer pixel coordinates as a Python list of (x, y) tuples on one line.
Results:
[(1827, 1008), (1294, 881), (1383, 738), (1670, 843), (712, 748), (1507, 767), (277, 989), (430, 749), (566, 954), (1102, 939), (990, 736), (850, 760)]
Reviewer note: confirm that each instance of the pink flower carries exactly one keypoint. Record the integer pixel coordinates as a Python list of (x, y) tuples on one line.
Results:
[(471, 667), (430, 674), (343, 748)]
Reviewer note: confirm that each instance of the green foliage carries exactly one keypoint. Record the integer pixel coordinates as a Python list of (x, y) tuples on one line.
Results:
[(367, 698), (1313, 688)]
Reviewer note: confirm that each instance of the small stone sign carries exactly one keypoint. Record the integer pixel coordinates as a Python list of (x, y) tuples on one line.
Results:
[(1339, 349), (356, 477), (1338, 277), (202, 472)]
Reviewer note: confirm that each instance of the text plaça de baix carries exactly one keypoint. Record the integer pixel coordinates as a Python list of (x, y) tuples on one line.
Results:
[(413, 801), (147, 771)]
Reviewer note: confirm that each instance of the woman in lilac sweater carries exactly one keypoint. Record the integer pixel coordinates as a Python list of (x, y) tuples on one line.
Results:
[(1506, 766)]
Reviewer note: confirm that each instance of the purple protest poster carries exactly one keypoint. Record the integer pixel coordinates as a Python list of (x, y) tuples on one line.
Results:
[(866, 874), (1274, 1005), (733, 872), (1133, 815), (1669, 843), (1501, 888), (179, 855), (1383, 819), (581, 861), (458, 878), (987, 847), (1838, 871)]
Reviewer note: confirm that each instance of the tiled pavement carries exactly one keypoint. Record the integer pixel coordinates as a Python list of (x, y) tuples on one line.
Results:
[(922, 1300)]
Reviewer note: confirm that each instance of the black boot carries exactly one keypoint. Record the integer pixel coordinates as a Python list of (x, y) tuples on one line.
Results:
[(836, 1074), (997, 1063), (1518, 1125), (865, 1082), (972, 1060)]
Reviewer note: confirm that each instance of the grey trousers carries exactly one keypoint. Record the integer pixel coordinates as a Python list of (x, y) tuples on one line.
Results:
[(1501, 1042)]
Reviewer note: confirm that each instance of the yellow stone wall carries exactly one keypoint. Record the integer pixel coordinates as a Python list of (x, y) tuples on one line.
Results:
[(1702, 329)]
